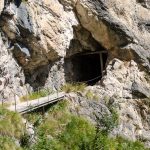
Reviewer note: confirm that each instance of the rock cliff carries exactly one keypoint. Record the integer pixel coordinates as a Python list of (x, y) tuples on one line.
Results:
[(45, 43)]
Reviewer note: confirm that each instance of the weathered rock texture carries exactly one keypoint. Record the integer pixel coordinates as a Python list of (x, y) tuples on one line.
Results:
[(1, 5), (36, 37)]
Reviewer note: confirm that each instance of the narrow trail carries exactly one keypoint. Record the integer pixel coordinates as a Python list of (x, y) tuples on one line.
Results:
[(30, 105)]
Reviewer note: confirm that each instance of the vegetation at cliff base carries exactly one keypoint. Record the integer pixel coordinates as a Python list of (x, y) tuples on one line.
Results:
[(12, 130), (61, 130)]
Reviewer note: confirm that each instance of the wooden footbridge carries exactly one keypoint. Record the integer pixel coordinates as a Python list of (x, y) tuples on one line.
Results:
[(32, 105)]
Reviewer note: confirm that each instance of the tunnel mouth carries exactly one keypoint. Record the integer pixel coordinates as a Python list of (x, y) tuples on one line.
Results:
[(86, 67)]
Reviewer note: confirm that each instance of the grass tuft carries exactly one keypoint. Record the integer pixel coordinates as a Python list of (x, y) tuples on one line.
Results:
[(37, 94), (11, 124), (74, 87), (91, 96), (7, 143)]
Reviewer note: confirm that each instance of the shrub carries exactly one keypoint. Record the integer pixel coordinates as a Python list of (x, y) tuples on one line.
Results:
[(103, 142), (54, 123), (78, 134), (11, 124), (124, 144), (25, 140), (11, 129), (109, 121), (60, 130), (7, 143), (34, 118)]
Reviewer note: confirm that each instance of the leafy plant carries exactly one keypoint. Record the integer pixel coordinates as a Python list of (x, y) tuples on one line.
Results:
[(109, 121)]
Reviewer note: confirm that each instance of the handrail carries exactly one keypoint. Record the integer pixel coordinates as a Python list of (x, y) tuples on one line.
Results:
[(32, 108), (32, 105)]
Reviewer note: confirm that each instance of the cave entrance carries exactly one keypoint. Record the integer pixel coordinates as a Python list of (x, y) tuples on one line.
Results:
[(17, 2), (87, 67)]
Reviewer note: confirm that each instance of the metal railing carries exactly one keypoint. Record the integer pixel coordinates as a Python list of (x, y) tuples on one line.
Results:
[(43, 97)]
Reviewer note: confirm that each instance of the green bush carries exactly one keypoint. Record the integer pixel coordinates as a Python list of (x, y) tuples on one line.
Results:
[(60, 130), (34, 118), (11, 129), (109, 121), (78, 134), (103, 142), (11, 124), (54, 124), (7, 143)]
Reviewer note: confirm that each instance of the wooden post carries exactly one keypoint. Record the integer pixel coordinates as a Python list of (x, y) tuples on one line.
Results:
[(101, 62), (27, 97), (2, 102), (57, 92), (15, 103), (38, 96), (48, 93), (43, 110)]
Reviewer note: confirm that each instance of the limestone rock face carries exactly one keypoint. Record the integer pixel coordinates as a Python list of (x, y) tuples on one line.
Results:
[(121, 27), (12, 79), (38, 39), (39, 34), (43, 28), (1, 5)]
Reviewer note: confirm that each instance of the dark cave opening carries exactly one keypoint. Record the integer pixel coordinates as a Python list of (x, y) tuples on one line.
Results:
[(17, 2), (86, 67)]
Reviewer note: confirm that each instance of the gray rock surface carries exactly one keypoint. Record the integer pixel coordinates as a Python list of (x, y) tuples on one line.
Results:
[(140, 90), (1, 5)]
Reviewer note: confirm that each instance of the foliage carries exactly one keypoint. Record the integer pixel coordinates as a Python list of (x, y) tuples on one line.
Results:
[(10, 124), (109, 121), (7, 143), (25, 140), (75, 135), (103, 142), (34, 118), (60, 130), (74, 87), (11, 129), (54, 123), (78, 134)]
